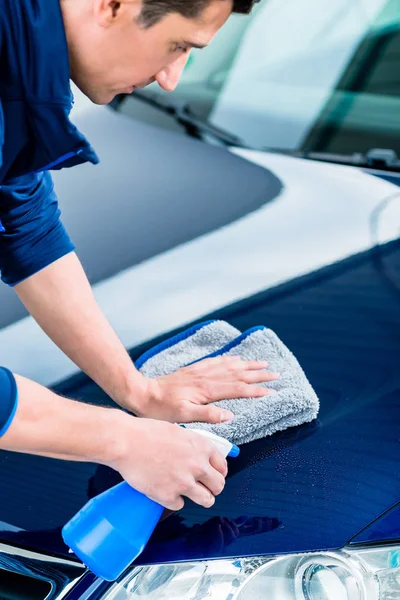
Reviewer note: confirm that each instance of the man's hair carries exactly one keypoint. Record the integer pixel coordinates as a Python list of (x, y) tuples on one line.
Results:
[(154, 10)]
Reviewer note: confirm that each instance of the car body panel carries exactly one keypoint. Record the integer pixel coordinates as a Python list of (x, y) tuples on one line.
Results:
[(385, 528)]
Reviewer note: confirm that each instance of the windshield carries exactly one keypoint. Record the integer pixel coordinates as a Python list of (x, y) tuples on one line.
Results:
[(297, 75)]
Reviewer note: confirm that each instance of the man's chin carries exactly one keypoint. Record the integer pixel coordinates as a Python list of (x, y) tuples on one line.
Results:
[(99, 97)]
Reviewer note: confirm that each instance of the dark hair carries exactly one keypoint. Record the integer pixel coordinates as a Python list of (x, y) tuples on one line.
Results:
[(154, 10)]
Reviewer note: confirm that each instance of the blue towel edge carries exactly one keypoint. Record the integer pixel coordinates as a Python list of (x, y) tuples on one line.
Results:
[(238, 340), (168, 343)]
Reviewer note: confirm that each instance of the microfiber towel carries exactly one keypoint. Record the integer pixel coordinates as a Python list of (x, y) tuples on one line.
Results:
[(294, 402)]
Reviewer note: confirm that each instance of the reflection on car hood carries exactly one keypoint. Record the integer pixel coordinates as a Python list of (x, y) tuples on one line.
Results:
[(287, 266)]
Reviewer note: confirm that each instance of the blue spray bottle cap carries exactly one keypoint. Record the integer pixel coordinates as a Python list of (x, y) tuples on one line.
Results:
[(234, 452)]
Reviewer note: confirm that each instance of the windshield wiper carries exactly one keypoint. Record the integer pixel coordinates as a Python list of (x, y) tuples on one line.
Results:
[(182, 114), (383, 159), (377, 158)]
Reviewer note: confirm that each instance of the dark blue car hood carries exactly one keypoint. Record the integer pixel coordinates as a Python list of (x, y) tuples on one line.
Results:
[(310, 488)]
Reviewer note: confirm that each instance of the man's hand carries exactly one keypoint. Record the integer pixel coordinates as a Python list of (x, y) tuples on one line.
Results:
[(186, 395), (161, 460), (167, 462)]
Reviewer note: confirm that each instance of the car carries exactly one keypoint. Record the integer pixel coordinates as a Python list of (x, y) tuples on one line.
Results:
[(303, 239)]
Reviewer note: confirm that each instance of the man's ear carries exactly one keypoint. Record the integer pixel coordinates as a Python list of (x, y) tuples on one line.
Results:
[(108, 12)]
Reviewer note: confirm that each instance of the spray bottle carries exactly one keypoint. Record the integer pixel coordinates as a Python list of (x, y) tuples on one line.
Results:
[(113, 528)]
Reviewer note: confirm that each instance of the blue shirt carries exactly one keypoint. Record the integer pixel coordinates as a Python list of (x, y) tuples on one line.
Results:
[(9, 397), (36, 135)]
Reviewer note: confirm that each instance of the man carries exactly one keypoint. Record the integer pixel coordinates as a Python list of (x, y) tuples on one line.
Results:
[(106, 47)]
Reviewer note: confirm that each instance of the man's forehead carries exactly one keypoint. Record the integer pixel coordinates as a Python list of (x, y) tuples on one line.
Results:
[(198, 32)]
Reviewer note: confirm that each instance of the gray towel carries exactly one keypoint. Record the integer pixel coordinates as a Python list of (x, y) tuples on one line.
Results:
[(294, 403)]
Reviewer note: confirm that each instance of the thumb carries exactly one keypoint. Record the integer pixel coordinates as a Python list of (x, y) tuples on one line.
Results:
[(211, 414)]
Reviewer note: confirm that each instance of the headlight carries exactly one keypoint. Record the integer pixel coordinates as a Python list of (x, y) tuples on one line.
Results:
[(362, 574)]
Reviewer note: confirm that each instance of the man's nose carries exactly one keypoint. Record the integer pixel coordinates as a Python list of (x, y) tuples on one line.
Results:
[(168, 78)]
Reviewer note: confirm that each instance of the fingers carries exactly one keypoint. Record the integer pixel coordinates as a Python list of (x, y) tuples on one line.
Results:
[(203, 486), (213, 481), (203, 483), (175, 504), (259, 376), (254, 364), (247, 391), (207, 413), (219, 463), (201, 495), (195, 491), (230, 390), (234, 367), (204, 491)]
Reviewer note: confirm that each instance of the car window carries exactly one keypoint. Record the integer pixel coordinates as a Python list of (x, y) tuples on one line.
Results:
[(298, 77)]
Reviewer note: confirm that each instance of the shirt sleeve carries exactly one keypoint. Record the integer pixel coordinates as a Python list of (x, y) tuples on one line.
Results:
[(31, 233), (8, 399)]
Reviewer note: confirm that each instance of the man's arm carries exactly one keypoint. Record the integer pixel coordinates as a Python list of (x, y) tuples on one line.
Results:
[(161, 460), (36, 257), (54, 426), (62, 302)]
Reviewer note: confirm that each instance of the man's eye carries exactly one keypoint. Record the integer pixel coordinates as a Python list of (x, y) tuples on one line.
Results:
[(182, 49)]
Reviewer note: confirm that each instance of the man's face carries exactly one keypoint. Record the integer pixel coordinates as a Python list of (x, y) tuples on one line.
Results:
[(111, 53)]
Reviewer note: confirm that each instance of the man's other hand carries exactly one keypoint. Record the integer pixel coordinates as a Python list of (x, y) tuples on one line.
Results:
[(166, 463), (187, 394)]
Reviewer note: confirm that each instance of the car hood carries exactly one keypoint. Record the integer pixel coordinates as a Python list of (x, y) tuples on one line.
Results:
[(313, 487), (333, 297)]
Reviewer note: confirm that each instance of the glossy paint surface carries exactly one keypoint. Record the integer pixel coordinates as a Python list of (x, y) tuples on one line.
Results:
[(311, 488)]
